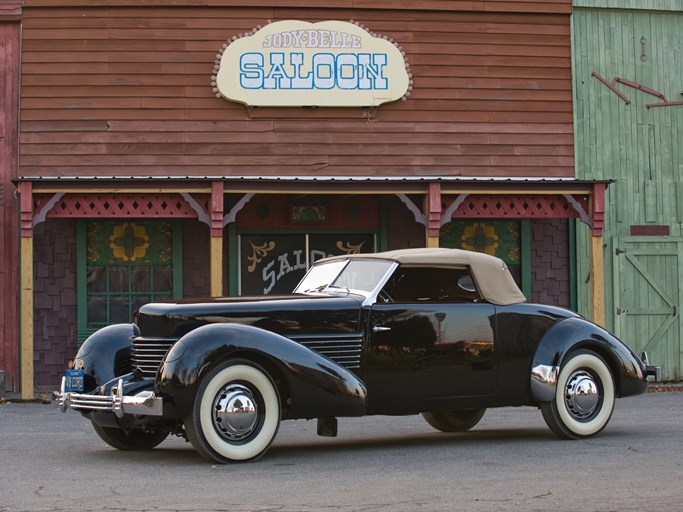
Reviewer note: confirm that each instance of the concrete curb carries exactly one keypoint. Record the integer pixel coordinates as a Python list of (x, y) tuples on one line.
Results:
[(665, 387)]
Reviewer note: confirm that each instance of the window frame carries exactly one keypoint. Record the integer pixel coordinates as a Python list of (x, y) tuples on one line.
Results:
[(83, 331)]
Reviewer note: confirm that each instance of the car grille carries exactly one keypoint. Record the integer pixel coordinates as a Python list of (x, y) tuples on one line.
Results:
[(343, 349), (148, 353)]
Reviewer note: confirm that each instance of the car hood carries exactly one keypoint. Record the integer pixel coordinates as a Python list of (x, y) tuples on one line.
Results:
[(284, 314)]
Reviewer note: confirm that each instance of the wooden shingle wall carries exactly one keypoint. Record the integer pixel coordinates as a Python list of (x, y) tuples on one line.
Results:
[(126, 91)]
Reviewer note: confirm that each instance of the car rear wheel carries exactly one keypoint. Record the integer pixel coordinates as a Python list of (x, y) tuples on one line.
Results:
[(584, 398), (236, 413), (131, 439), (454, 421)]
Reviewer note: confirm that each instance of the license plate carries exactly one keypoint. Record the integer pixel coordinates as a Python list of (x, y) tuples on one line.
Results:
[(74, 380)]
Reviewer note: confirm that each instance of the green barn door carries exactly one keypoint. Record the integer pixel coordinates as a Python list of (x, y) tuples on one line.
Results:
[(647, 292)]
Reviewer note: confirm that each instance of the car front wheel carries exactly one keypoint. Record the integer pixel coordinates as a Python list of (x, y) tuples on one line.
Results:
[(236, 413), (584, 398), (454, 421)]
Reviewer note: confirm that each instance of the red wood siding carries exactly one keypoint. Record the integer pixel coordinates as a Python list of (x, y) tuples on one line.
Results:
[(126, 91), (9, 114)]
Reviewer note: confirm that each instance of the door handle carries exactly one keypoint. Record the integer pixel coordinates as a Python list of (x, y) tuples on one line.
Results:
[(379, 328)]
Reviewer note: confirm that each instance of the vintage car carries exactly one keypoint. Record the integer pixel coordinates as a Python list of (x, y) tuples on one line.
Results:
[(440, 332)]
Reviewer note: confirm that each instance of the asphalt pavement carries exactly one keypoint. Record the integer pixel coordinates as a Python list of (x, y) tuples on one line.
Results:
[(55, 462)]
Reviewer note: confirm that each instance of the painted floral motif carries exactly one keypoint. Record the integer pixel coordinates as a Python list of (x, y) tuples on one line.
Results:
[(258, 252), (349, 248), (129, 242), (480, 237)]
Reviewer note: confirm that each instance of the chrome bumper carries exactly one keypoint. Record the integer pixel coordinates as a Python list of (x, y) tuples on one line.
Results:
[(650, 370), (143, 403)]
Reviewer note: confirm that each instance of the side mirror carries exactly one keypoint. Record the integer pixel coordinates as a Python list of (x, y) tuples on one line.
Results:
[(465, 283)]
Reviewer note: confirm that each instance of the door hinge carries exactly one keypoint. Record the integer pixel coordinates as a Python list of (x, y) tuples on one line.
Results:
[(618, 251), (621, 310)]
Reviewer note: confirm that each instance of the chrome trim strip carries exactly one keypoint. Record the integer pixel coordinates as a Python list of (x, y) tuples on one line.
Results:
[(544, 382)]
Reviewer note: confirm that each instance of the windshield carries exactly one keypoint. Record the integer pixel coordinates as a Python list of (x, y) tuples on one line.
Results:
[(355, 275)]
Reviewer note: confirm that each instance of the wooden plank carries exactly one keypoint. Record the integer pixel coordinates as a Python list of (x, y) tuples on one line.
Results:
[(494, 85), (287, 169), (553, 6), (9, 239), (597, 280), (26, 293)]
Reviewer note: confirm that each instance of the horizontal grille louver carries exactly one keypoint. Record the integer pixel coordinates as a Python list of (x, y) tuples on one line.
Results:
[(148, 353), (343, 349)]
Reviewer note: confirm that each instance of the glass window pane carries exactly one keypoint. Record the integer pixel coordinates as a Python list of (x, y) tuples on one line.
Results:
[(97, 279), (118, 309), (118, 279), (97, 309), (141, 279), (163, 281)]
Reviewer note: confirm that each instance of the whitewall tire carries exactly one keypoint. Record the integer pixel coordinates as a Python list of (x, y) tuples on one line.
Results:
[(584, 398), (236, 413)]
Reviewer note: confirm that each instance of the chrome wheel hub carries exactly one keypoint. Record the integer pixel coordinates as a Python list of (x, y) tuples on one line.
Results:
[(581, 395), (235, 412)]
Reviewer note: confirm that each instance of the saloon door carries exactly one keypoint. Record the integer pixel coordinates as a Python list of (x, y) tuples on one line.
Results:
[(647, 296)]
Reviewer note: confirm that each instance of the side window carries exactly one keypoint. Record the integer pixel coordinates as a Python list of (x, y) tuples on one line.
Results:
[(430, 284)]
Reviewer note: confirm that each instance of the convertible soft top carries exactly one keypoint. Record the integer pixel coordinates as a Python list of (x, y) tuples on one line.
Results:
[(494, 281)]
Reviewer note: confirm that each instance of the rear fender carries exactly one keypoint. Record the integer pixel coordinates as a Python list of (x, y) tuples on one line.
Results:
[(311, 385), (577, 333), (105, 354)]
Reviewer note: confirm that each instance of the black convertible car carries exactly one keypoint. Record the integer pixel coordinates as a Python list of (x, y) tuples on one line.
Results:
[(440, 332)]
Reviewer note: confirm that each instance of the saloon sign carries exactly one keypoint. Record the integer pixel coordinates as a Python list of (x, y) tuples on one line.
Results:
[(295, 63)]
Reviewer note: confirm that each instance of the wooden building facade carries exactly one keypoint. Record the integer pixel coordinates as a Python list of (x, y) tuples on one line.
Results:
[(10, 44), (628, 85), (136, 182)]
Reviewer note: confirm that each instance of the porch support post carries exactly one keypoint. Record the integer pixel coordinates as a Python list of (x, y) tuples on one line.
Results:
[(433, 213), (26, 290), (597, 255), (216, 239)]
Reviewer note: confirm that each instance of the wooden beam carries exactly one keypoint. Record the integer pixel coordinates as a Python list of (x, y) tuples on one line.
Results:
[(433, 214), (597, 255), (597, 272), (216, 270), (26, 290), (216, 249), (27, 318)]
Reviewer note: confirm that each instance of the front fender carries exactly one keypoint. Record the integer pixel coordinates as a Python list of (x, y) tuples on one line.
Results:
[(105, 354), (574, 333), (310, 384)]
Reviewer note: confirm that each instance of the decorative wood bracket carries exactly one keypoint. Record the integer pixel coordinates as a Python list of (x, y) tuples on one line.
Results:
[(420, 217), (232, 214)]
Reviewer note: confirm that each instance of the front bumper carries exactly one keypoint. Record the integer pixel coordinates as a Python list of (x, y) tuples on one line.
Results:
[(143, 403), (650, 370)]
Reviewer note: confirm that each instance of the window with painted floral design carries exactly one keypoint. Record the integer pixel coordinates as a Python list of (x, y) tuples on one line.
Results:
[(501, 238), (126, 263)]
